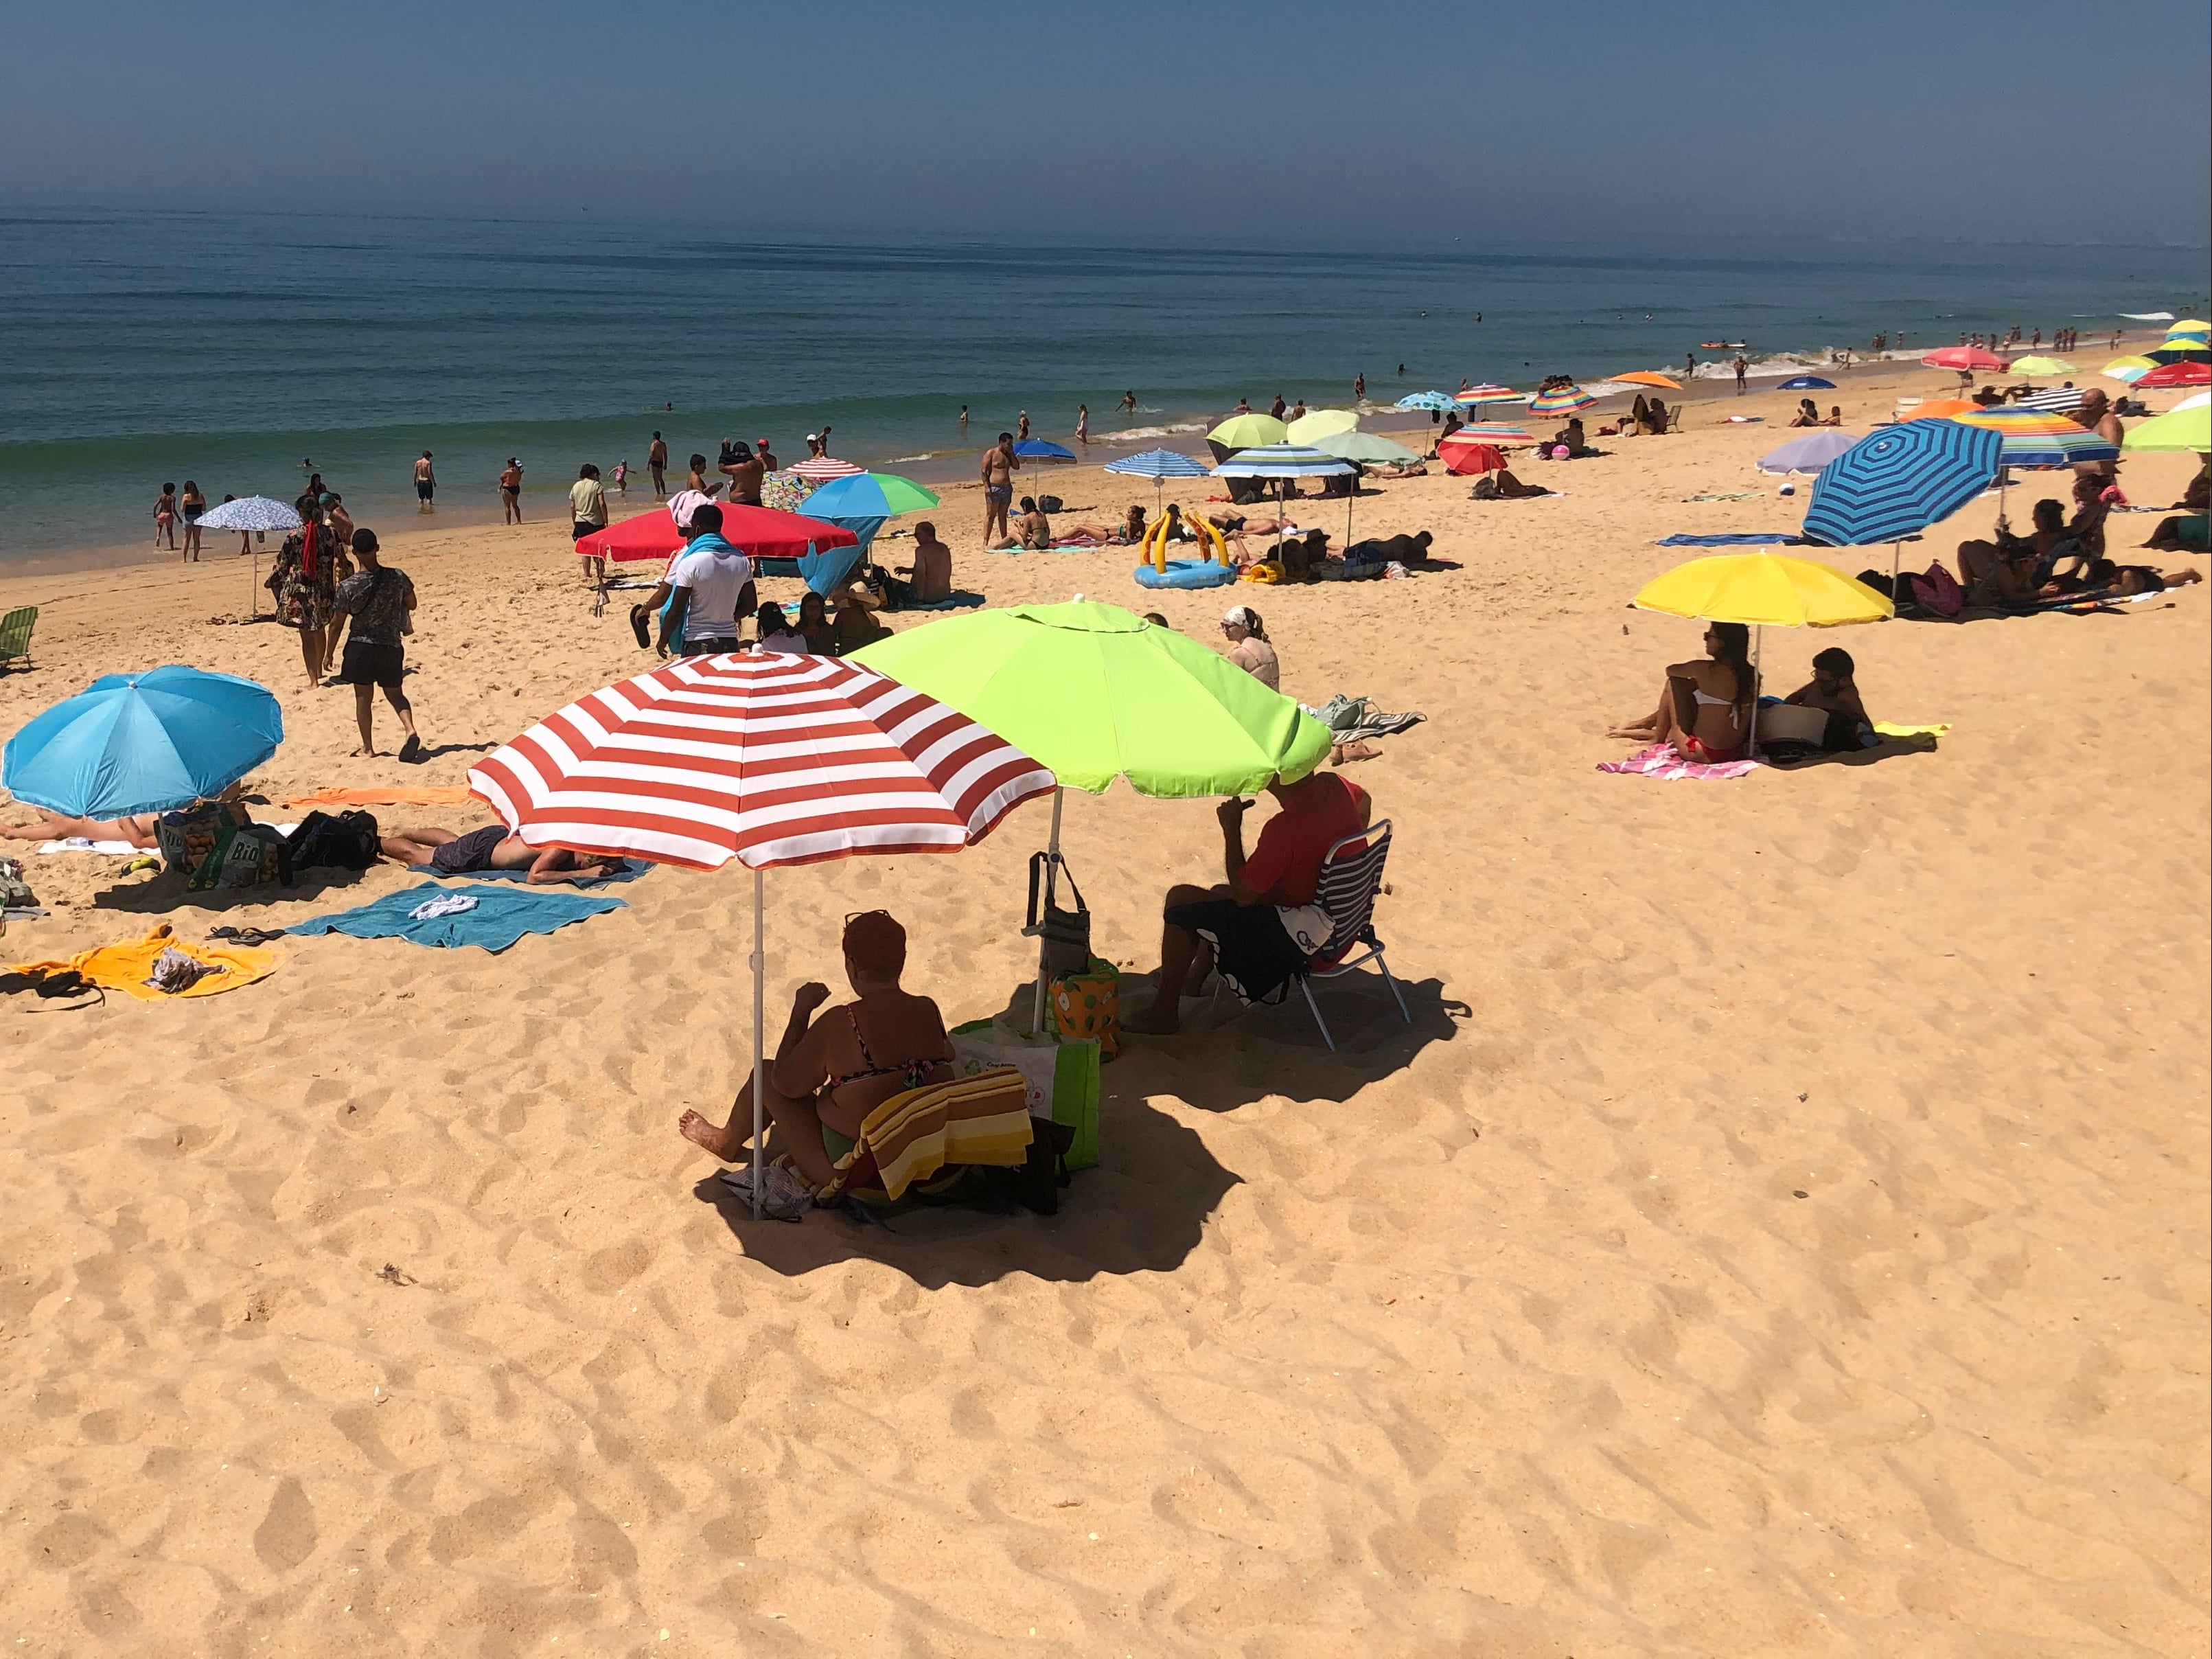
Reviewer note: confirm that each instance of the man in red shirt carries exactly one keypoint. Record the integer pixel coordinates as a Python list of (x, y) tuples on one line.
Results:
[(1244, 925)]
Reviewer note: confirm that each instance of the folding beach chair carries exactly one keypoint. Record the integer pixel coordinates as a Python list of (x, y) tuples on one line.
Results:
[(1349, 885), (15, 635)]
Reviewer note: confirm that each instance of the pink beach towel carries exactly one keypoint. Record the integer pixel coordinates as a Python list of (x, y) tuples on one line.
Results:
[(1664, 762)]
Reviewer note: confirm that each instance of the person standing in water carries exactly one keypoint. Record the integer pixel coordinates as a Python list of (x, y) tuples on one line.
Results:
[(191, 504), (1083, 423), (426, 483), (510, 491), (656, 467), (1128, 403), (165, 517)]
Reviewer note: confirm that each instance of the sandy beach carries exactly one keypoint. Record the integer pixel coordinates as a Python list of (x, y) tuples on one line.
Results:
[(1783, 1228)]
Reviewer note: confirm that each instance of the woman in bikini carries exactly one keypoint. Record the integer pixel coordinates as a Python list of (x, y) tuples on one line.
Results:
[(191, 504), (1704, 709), (165, 517), (830, 1074)]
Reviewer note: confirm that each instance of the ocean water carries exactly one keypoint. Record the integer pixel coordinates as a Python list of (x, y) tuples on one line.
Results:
[(137, 348)]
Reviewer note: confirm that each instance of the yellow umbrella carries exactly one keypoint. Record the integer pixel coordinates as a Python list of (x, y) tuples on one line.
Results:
[(2189, 325), (2041, 365), (2129, 369), (1247, 432), (1321, 424), (1759, 588), (1645, 377), (2173, 432)]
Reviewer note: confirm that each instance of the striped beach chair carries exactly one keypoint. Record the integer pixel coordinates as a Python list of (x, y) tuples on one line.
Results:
[(1350, 883), (15, 635)]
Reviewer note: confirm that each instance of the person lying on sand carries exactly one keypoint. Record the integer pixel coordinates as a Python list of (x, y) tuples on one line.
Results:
[(2007, 573), (2186, 530), (1239, 925), (830, 1074), (492, 847), (1503, 486), (1704, 708), (137, 829), (1388, 550), (2102, 576)]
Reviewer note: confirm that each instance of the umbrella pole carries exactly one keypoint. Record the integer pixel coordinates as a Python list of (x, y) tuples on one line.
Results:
[(1757, 649), (1051, 887), (760, 1022)]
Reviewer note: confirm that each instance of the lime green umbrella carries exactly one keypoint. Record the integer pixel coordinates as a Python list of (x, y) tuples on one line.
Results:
[(1097, 693), (2178, 430), (1246, 432)]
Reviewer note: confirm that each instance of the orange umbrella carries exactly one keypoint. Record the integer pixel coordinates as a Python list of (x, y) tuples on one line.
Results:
[(1940, 409), (1645, 377)]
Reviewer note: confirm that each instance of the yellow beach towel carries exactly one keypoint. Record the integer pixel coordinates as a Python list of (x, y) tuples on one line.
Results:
[(127, 967), (983, 1118)]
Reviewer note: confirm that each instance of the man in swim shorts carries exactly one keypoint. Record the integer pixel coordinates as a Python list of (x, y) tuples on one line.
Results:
[(492, 848), (999, 465), (426, 481)]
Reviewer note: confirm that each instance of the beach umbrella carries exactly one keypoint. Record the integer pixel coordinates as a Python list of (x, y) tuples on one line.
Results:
[(1761, 590), (2041, 365), (2179, 351), (1158, 465), (1939, 409), (1899, 481), (1368, 448), (2035, 437), (1436, 403), (1288, 460), (1561, 400), (2189, 325), (759, 533), (1504, 434), (1966, 359), (257, 513), (2059, 398), (1321, 424), (2173, 432), (877, 495), (2173, 374), (1040, 449), (1244, 432), (1487, 392), (768, 759), (1809, 453), (2195, 400), (1648, 377), (142, 743), (1801, 383), (821, 469), (1096, 692), (1463, 459), (2129, 369)]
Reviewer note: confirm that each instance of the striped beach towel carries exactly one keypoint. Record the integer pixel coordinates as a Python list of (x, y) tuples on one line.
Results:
[(918, 1132)]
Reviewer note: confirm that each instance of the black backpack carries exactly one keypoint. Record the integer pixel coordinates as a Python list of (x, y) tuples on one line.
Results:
[(348, 842)]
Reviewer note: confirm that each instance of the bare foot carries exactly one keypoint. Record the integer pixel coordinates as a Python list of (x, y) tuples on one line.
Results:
[(716, 1139), (1152, 1022), (367, 754)]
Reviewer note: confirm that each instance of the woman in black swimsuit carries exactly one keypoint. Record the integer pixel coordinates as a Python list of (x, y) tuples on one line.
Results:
[(191, 504), (830, 1074)]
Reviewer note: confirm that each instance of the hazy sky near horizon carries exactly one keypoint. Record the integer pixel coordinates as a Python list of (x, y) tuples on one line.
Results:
[(1488, 123)]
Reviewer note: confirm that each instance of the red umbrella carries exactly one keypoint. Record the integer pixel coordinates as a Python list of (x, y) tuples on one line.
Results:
[(2176, 375), (759, 533), (1972, 358), (1463, 459)]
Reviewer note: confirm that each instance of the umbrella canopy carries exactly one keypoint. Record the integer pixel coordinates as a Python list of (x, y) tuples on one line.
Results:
[(1652, 378), (252, 513), (2179, 351), (877, 495), (1465, 459), (821, 469), (1809, 453), (1560, 401), (2041, 365), (1436, 402), (142, 743), (1900, 481), (1366, 447), (1284, 460), (1487, 392), (1039, 449), (1247, 432), (2172, 374), (759, 533), (1800, 383), (2183, 430), (2195, 400), (1097, 693), (1969, 358), (1939, 409), (2033, 437), (2060, 397), (769, 759), (1321, 424), (1504, 434), (1763, 589), (2189, 325), (2129, 369), (1158, 464)]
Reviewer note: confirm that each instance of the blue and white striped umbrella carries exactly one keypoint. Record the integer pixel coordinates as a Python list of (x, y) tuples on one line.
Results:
[(254, 512), (1437, 403), (1900, 481), (1282, 461), (1158, 464)]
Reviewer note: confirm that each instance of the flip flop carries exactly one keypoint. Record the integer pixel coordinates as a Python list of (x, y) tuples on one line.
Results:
[(637, 627)]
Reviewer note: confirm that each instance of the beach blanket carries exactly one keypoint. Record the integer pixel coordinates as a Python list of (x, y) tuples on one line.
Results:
[(1349, 719), (1737, 496), (501, 915), (453, 794), (918, 1132), (129, 967), (114, 849), (959, 600), (1664, 762), (1063, 547), (631, 869), (1779, 539)]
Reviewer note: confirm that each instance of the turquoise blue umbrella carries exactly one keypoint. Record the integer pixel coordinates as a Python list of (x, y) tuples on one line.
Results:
[(142, 743)]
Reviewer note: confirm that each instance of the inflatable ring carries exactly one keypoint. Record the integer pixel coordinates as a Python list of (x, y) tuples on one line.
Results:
[(1155, 544), (1186, 572)]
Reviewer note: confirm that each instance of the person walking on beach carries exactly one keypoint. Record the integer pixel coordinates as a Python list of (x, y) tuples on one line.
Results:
[(656, 467), (1741, 367), (587, 502), (191, 504), (165, 517), (999, 465), (426, 483), (1083, 423), (379, 600), (510, 491)]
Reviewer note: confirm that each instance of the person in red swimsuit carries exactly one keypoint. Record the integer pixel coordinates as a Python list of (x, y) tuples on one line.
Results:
[(1704, 709)]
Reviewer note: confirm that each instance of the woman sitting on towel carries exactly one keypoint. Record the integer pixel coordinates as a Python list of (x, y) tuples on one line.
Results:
[(1704, 710), (830, 1074)]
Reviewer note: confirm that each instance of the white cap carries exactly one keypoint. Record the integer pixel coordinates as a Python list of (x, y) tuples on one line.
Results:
[(1237, 614)]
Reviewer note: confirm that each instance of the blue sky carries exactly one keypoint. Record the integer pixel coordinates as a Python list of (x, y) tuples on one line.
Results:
[(1484, 122)]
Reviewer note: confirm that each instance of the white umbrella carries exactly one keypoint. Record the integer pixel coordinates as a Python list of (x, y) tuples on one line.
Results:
[(254, 512)]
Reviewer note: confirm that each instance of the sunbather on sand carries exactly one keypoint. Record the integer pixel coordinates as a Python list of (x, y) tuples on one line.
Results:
[(2103, 576), (1503, 486), (2007, 573), (830, 1074), (137, 829), (491, 847), (1704, 709)]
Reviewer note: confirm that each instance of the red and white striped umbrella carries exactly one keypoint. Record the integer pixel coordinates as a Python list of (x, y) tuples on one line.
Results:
[(766, 758), (821, 469)]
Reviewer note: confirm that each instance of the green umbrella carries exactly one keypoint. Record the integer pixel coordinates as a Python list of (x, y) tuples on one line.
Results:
[(1366, 447), (2174, 432), (1097, 693), (1247, 432)]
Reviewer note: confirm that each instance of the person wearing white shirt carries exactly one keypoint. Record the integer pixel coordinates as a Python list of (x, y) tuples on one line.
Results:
[(710, 586)]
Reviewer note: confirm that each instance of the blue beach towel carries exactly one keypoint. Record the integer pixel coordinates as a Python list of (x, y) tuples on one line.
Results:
[(501, 915), (1780, 538)]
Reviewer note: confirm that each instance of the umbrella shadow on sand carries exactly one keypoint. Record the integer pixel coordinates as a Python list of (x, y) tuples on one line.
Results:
[(167, 893)]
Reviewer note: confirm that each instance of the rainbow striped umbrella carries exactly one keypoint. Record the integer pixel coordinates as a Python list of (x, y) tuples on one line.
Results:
[(1563, 400), (1502, 434), (2033, 437), (1486, 393)]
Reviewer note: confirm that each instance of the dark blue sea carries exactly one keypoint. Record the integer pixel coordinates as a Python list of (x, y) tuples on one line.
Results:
[(137, 348)]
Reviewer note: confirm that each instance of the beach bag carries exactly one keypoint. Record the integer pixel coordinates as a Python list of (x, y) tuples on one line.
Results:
[(348, 842), (1061, 1078), (1066, 933), (187, 837), (1088, 1006), (1938, 590), (1049, 504)]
